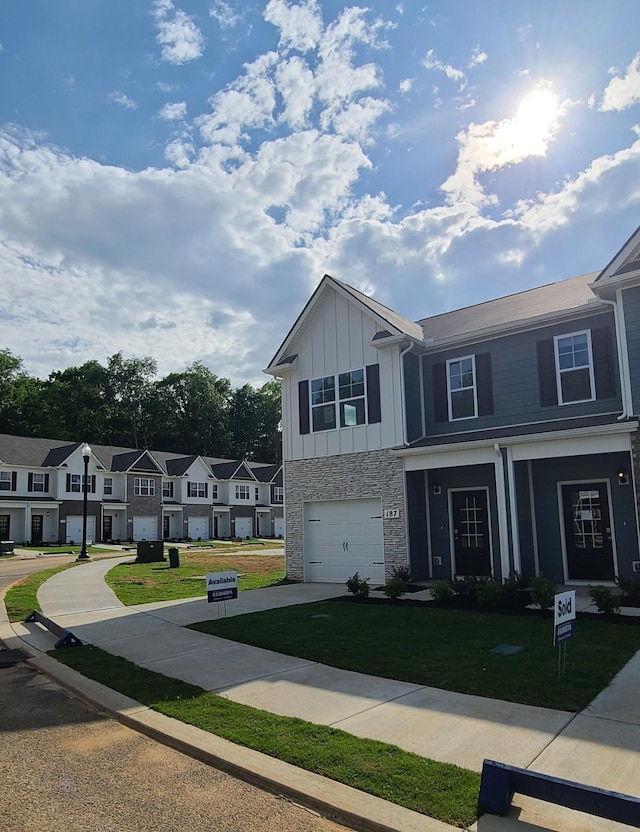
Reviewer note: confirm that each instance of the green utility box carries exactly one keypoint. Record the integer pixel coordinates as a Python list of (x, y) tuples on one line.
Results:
[(150, 551), (174, 558)]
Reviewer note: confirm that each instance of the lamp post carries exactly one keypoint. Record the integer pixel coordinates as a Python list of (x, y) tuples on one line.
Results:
[(86, 455)]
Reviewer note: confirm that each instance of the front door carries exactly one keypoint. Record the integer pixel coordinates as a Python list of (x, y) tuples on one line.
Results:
[(166, 531), (107, 527), (587, 528), (36, 529), (471, 541)]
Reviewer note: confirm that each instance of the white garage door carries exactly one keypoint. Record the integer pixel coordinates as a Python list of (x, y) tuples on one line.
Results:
[(145, 528), (244, 527), (278, 526), (198, 528), (74, 529), (342, 537)]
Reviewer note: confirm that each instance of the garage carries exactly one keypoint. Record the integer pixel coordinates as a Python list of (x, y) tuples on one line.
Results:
[(145, 528), (278, 526), (342, 537), (198, 528), (244, 527), (74, 529)]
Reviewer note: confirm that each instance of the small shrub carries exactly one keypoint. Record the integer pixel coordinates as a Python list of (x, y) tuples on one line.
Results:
[(395, 588), (359, 587), (604, 599), (631, 588), (515, 592), (490, 595), (542, 591), (466, 587), (442, 590), (402, 572)]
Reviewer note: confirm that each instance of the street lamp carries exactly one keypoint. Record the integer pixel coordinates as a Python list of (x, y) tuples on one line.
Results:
[(86, 455)]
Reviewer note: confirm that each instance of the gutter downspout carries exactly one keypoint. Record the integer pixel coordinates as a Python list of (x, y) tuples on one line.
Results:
[(623, 356), (403, 402)]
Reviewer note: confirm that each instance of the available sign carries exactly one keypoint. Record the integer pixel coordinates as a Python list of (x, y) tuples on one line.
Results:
[(222, 586), (564, 616)]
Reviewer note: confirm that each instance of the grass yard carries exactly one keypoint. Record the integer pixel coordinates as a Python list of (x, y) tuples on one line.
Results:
[(22, 598), (142, 583), (440, 790), (67, 550), (449, 649)]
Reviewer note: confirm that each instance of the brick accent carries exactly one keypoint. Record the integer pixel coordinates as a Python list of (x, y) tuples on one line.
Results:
[(357, 475)]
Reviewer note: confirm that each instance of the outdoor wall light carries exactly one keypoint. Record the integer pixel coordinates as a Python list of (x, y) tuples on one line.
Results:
[(436, 488), (623, 477)]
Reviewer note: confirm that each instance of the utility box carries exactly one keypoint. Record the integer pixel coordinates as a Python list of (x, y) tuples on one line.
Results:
[(174, 558), (150, 551), (6, 547)]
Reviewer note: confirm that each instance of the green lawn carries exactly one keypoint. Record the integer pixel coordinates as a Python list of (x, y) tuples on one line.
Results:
[(444, 648), (141, 583), (441, 790), (69, 549), (22, 598)]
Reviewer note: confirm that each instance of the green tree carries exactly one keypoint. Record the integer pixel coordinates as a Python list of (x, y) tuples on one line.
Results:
[(10, 369), (130, 393)]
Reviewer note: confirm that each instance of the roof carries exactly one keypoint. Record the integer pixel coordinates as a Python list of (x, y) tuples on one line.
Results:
[(396, 321), (564, 296)]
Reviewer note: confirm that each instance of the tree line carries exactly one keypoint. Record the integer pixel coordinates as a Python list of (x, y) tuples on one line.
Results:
[(125, 404)]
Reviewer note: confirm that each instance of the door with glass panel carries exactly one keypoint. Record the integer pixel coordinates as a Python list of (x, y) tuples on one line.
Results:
[(471, 540), (587, 529)]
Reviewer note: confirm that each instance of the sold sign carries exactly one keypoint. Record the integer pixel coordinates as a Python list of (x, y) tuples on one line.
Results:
[(564, 616)]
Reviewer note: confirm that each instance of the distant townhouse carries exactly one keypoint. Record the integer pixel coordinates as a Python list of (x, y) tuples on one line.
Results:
[(132, 494), (489, 440)]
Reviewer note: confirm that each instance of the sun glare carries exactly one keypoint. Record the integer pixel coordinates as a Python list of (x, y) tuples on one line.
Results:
[(534, 123)]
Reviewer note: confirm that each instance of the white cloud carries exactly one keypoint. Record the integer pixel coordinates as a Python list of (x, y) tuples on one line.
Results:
[(296, 85), (180, 38), (173, 111), (300, 24), (623, 92), (477, 57), (179, 153), (405, 85), (431, 62), (226, 16), (123, 100)]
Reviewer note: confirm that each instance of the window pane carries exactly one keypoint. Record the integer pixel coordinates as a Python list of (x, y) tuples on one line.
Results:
[(351, 384), (352, 413), (576, 385), (324, 418), (323, 390), (462, 404)]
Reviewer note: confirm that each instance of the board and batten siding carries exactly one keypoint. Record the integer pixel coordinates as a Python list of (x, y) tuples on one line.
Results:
[(335, 339), (514, 380), (631, 306)]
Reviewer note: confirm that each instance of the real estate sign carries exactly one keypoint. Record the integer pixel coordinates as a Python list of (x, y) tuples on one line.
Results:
[(564, 616), (222, 586)]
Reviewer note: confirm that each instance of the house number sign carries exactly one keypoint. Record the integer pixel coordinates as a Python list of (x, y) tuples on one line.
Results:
[(391, 513)]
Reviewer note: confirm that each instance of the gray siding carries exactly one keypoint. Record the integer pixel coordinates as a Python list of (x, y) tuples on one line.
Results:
[(525, 525), (516, 395), (413, 397), (631, 304), (417, 524)]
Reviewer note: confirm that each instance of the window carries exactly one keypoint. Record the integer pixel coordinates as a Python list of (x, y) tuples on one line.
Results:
[(462, 388), (5, 520), (38, 483), (197, 489), (6, 481), (144, 487), (323, 397), (242, 492), (574, 367), (214, 491), (75, 483), (107, 486), (278, 494), (257, 492), (167, 489), (350, 401), (351, 396)]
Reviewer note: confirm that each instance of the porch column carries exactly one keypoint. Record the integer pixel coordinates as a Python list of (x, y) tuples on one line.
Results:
[(501, 500)]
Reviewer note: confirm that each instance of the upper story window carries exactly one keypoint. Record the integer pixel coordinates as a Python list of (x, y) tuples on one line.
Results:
[(38, 482), (197, 489), (340, 400), (214, 491), (257, 493), (167, 489), (574, 367), (278, 494), (144, 487), (461, 387), (242, 492), (107, 486), (75, 483), (8, 480)]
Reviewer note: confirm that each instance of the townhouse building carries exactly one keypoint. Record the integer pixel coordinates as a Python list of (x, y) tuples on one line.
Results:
[(489, 440), (132, 494)]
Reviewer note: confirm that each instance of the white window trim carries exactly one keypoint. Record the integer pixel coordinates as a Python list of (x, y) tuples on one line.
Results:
[(474, 388), (39, 482), (560, 372), (278, 494), (242, 497), (337, 400), (107, 482), (150, 486), (194, 488)]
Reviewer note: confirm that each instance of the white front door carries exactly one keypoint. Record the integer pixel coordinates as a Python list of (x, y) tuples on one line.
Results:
[(74, 529), (342, 537), (198, 528), (145, 528), (278, 526), (244, 527)]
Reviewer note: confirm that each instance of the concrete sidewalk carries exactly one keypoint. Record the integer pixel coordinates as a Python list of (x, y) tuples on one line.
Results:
[(598, 747)]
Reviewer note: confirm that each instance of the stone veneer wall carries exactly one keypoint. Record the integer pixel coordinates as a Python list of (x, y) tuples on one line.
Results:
[(357, 475)]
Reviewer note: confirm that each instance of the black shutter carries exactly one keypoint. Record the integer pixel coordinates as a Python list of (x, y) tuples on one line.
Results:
[(547, 373), (603, 362), (46, 482), (303, 405), (68, 483), (93, 483), (373, 393), (30, 482), (206, 490), (484, 384), (440, 402), (14, 480)]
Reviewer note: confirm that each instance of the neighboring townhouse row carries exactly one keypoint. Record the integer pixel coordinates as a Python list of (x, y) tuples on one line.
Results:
[(489, 440), (132, 494)]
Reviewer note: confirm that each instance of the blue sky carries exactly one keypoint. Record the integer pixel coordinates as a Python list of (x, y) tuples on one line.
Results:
[(176, 177)]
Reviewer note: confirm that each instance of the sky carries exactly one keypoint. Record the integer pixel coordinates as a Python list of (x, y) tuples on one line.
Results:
[(176, 176)]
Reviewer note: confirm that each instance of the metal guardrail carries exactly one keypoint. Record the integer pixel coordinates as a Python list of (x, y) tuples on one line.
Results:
[(65, 637)]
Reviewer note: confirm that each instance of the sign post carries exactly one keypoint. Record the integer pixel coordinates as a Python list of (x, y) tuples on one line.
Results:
[(222, 586), (564, 625)]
